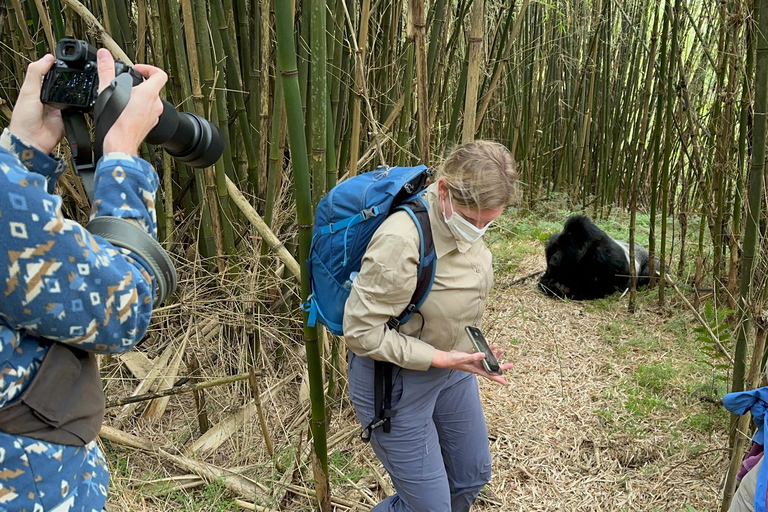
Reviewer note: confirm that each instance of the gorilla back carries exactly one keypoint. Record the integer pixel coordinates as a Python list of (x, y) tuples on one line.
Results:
[(584, 263)]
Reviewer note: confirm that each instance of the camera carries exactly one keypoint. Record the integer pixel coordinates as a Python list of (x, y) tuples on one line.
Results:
[(72, 85)]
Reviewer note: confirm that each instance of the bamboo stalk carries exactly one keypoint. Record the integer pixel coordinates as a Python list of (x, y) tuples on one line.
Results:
[(97, 27), (45, 22), (418, 27), (360, 45), (473, 74), (17, 11), (187, 388), (291, 90), (496, 78)]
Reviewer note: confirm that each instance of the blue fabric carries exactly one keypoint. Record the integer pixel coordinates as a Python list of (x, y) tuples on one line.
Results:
[(345, 220), (755, 401), (60, 283)]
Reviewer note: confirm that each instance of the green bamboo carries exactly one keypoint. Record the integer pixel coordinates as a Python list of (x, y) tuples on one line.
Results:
[(752, 227), (54, 9), (656, 144), (211, 228), (299, 159), (417, 25), (318, 99), (669, 106), (234, 83)]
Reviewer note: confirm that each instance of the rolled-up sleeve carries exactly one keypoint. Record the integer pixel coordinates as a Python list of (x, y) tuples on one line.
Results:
[(383, 289)]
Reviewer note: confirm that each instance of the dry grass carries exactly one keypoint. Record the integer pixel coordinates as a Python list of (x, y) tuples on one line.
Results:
[(580, 428)]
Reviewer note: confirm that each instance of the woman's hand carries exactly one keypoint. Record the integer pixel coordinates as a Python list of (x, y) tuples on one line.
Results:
[(143, 109), (471, 362), (33, 122)]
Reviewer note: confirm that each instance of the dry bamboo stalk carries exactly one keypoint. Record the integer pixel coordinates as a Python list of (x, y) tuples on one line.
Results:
[(4, 108), (360, 490), (497, 73), (418, 26), (310, 493), (137, 363), (19, 15), (146, 384), (179, 390), (359, 51), (260, 411), (211, 334), (223, 430), (385, 486), (274, 243), (193, 367), (45, 21), (156, 407), (238, 484), (473, 76), (103, 34), (264, 100), (250, 506), (141, 31), (107, 22), (125, 439)]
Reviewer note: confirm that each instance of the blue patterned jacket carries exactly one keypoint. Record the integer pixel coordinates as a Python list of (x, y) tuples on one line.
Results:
[(59, 282)]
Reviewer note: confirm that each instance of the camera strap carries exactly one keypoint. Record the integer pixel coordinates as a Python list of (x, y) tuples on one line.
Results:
[(79, 139), (119, 232)]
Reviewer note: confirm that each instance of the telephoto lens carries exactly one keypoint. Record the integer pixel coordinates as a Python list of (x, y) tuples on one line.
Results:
[(187, 137)]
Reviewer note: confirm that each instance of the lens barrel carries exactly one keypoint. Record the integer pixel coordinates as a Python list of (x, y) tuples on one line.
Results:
[(187, 137)]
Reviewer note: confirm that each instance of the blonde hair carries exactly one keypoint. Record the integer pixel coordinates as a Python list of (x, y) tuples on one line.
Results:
[(480, 175)]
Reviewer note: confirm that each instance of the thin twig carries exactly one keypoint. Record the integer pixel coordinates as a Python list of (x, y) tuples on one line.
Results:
[(178, 390)]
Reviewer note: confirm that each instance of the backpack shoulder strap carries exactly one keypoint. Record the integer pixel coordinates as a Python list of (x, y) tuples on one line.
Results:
[(417, 208)]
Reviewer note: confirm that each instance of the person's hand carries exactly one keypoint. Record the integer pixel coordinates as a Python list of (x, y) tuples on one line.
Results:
[(143, 109), (33, 122), (471, 362)]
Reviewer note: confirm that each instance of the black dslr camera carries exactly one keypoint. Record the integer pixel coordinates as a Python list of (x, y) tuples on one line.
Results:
[(72, 85), (73, 81)]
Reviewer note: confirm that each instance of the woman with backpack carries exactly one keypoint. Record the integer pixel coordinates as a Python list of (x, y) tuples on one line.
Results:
[(436, 449)]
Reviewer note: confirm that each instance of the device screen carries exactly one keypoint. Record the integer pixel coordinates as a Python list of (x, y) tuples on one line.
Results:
[(490, 363), (71, 88)]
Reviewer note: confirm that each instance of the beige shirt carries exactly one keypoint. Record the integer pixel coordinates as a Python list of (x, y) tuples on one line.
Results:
[(387, 280)]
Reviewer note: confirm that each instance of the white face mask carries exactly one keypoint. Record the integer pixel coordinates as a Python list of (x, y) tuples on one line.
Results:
[(462, 229)]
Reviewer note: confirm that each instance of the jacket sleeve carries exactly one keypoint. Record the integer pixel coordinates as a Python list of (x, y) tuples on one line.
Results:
[(60, 282), (383, 289)]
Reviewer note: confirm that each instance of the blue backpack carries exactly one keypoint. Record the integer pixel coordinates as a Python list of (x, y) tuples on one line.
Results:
[(345, 221)]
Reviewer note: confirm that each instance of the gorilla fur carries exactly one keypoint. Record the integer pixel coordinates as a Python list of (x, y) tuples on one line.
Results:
[(584, 263)]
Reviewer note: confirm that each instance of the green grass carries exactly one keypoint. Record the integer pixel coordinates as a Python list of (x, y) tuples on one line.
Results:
[(212, 497), (347, 469)]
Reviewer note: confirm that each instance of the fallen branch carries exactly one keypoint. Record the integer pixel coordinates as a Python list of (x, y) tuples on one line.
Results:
[(234, 482), (94, 24), (178, 390), (273, 242), (701, 320)]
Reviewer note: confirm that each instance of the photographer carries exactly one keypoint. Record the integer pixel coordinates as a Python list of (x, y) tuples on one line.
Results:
[(66, 295)]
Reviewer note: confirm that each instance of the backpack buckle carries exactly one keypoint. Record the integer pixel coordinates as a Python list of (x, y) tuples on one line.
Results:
[(369, 213)]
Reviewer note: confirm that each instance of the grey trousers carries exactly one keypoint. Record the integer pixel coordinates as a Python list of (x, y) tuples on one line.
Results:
[(437, 452)]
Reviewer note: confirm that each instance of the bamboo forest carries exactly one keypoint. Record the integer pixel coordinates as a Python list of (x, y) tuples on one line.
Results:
[(647, 116)]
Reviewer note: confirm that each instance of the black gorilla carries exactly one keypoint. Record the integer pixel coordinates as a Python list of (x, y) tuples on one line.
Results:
[(584, 263)]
